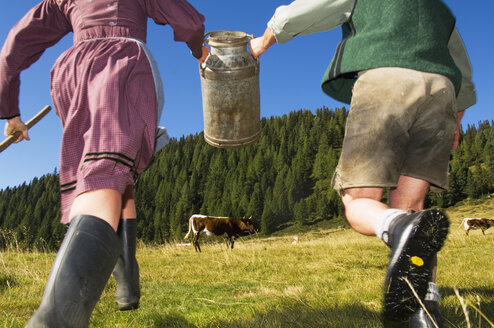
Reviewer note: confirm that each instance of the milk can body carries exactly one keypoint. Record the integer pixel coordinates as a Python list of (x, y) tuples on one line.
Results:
[(230, 91)]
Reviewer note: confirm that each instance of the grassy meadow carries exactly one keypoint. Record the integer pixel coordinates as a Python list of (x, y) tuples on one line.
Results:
[(332, 278)]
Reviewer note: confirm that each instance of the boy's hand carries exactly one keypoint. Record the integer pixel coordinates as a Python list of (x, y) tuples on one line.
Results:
[(260, 45)]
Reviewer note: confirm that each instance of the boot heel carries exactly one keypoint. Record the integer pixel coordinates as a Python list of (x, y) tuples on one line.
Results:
[(126, 271)]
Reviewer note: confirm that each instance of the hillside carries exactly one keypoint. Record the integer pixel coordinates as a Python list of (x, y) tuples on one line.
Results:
[(282, 180), (332, 278)]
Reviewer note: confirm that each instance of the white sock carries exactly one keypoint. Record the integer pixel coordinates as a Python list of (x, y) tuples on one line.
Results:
[(382, 224), (432, 293)]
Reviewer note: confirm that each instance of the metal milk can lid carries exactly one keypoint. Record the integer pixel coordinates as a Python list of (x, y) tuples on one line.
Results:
[(227, 38)]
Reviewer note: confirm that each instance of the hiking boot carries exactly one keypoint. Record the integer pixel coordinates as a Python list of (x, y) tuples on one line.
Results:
[(415, 240)]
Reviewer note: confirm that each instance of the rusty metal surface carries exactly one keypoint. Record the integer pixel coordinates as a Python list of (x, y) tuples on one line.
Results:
[(230, 91)]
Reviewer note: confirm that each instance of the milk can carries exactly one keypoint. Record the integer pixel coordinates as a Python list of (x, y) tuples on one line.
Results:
[(230, 91)]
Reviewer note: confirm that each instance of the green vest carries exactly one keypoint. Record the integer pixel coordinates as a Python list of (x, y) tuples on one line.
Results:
[(392, 33)]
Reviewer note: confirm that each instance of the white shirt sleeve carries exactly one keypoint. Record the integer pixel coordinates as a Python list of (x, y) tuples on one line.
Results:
[(303, 17), (466, 96)]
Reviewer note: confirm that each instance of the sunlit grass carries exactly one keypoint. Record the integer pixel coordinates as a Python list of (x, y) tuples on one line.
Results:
[(331, 278)]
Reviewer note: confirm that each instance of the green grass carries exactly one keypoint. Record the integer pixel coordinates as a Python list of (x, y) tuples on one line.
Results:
[(332, 278)]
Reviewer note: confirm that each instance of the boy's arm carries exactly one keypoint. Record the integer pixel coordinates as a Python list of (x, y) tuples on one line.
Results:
[(301, 17)]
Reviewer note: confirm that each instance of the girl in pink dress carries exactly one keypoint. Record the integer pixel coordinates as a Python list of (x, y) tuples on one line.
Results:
[(107, 93)]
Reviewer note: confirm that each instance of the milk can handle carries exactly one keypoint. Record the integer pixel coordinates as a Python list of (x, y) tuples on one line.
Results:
[(251, 36), (205, 39)]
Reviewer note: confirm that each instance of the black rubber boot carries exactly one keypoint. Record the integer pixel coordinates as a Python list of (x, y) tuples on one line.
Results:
[(78, 275), (126, 272), (415, 240), (420, 319)]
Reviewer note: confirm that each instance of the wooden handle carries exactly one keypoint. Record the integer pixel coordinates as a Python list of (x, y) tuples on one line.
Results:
[(36, 118)]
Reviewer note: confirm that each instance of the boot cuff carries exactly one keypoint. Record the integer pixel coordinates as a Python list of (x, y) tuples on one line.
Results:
[(433, 293)]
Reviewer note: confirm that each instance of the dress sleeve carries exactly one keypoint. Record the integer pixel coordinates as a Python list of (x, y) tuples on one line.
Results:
[(43, 26), (186, 22), (302, 17), (466, 96)]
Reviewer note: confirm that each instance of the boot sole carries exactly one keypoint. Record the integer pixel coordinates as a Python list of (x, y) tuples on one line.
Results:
[(412, 261)]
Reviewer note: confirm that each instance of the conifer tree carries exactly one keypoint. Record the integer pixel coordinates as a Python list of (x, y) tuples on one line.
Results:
[(285, 176), (268, 222)]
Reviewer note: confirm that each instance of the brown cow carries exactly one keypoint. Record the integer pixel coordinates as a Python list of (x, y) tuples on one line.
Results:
[(219, 226), (480, 223)]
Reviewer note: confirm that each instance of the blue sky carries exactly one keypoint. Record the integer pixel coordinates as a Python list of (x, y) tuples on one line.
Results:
[(290, 75)]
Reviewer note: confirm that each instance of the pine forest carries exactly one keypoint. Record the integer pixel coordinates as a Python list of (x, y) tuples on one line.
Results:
[(284, 178)]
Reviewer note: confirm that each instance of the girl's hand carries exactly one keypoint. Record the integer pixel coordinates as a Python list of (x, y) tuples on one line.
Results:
[(14, 125)]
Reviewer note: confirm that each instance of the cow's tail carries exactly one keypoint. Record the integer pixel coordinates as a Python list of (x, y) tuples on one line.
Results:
[(462, 222), (190, 228)]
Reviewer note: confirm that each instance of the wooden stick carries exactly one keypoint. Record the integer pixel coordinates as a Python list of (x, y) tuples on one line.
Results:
[(10, 139)]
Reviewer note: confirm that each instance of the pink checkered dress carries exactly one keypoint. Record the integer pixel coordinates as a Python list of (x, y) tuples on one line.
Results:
[(103, 88)]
